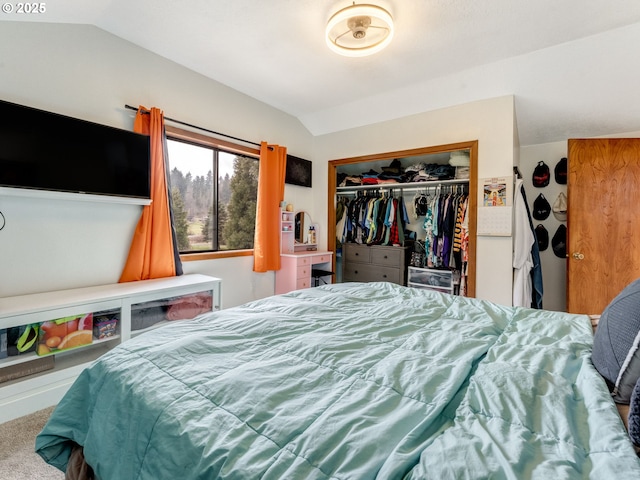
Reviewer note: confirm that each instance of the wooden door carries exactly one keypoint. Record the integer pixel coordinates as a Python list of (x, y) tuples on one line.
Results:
[(603, 221)]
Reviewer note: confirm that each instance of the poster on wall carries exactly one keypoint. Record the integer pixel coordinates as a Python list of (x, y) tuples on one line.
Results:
[(495, 192), (495, 215)]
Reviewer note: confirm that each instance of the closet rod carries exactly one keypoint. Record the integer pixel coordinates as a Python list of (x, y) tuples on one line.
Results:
[(402, 189), (410, 186), (199, 128)]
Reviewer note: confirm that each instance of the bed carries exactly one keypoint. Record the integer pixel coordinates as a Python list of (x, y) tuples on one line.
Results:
[(348, 381)]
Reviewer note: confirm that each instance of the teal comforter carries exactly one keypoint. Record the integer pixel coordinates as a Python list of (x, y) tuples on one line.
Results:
[(348, 381)]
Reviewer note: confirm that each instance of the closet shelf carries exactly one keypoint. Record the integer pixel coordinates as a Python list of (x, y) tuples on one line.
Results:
[(409, 186)]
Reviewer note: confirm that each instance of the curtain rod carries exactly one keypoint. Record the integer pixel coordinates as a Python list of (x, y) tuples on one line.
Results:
[(199, 128)]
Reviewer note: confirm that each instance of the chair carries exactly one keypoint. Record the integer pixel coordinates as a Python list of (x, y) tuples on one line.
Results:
[(318, 276)]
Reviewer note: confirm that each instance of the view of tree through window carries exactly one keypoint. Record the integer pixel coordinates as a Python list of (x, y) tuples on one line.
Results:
[(211, 215)]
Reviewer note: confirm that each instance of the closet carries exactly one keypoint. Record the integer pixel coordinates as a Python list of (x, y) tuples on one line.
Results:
[(382, 210)]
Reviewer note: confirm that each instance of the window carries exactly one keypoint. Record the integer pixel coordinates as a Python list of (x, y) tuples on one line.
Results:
[(214, 187)]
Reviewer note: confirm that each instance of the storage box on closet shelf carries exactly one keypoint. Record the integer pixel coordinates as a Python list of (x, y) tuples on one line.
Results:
[(461, 161)]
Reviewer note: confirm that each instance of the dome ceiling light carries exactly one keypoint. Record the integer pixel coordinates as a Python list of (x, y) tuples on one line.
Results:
[(359, 30)]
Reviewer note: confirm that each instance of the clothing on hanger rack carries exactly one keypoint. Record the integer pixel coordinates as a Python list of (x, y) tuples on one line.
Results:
[(373, 218)]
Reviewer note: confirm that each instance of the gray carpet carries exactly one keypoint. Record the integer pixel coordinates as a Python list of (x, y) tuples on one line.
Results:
[(18, 460)]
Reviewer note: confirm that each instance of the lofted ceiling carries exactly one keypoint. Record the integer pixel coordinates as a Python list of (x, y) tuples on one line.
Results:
[(573, 66)]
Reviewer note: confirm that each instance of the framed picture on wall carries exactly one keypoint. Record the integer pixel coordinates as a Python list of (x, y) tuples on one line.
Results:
[(298, 171)]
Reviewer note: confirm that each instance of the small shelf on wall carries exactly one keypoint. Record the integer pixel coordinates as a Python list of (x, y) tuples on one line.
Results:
[(71, 196), (287, 232)]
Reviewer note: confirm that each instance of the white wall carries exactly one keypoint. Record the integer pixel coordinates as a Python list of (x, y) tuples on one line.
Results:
[(84, 72), (491, 122)]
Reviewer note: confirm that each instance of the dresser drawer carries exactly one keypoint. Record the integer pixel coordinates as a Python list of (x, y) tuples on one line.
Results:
[(392, 257), (304, 261), (303, 271), (370, 273), (356, 253), (427, 287), (303, 283), (321, 259)]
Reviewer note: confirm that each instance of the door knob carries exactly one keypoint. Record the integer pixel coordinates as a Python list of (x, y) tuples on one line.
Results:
[(578, 256)]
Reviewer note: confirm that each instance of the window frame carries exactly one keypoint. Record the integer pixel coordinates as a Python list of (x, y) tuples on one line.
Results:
[(180, 134)]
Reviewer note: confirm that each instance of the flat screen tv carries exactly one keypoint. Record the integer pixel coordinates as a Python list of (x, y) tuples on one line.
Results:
[(48, 151)]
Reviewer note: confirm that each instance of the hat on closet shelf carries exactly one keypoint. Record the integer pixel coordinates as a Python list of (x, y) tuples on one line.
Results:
[(560, 207), (394, 167), (541, 208)]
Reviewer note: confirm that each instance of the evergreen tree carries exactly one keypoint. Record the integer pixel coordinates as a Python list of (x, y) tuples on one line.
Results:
[(223, 217), (206, 227), (188, 196), (224, 192), (180, 220), (178, 181), (240, 226)]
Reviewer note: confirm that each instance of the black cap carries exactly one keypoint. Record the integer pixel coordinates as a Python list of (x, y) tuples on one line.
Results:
[(541, 175), (560, 171), (542, 236), (541, 208), (559, 242)]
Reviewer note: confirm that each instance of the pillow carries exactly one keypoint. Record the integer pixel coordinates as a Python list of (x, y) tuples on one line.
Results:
[(616, 355), (634, 415)]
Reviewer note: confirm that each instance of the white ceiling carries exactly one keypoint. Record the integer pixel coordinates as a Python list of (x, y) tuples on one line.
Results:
[(572, 65)]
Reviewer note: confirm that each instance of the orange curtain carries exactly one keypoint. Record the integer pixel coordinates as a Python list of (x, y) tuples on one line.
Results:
[(266, 244), (152, 251)]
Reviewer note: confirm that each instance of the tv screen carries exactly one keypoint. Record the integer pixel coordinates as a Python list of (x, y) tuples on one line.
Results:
[(47, 151)]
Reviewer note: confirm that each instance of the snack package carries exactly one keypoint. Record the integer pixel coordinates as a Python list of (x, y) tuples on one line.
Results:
[(65, 333)]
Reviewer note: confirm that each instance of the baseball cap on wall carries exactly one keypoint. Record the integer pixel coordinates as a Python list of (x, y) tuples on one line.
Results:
[(560, 207), (559, 242), (541, 175), (560, 171), (542, 236), (541, 208)]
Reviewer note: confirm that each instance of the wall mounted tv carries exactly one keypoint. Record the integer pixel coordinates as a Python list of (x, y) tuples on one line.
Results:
[(47, 151)]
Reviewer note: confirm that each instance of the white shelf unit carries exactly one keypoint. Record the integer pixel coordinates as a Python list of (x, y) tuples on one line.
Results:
[(287, 232), (28, 394)]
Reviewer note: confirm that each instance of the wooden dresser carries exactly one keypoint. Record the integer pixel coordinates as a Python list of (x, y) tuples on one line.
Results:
[(375, 263)]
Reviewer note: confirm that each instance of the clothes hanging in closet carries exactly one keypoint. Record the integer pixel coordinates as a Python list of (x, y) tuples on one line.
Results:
[(446, 230), (373, 220)]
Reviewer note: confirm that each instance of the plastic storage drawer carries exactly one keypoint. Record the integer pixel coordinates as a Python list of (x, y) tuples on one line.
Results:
[(439, 280)]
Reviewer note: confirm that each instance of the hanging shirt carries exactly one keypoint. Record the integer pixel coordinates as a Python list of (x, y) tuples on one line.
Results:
[(522, 243)]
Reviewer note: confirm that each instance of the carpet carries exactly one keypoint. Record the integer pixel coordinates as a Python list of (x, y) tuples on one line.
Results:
[(18, 460)]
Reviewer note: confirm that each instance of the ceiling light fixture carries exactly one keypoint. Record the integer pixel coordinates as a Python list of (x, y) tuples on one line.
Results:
[(359, 30)]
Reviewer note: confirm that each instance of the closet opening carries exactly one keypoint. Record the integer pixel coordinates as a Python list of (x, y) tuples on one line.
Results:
[(411, 177)]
